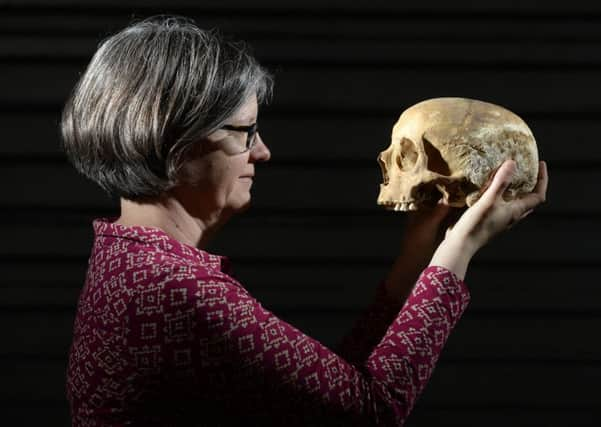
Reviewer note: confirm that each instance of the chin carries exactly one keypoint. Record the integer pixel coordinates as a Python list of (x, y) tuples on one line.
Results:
[(240, 205)]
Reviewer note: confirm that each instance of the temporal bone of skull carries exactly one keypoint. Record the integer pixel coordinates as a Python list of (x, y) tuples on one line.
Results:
[(448, 148)]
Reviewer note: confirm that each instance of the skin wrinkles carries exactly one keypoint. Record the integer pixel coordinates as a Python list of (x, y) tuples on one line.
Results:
[(216, 184)]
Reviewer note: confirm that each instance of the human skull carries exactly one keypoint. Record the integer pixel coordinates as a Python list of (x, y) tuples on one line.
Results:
[(448, 148)]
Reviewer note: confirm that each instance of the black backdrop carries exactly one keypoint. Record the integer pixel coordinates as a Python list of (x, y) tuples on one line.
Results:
[(314, 245)]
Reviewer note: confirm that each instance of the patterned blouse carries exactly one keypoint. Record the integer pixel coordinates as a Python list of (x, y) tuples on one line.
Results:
[(165, 336)]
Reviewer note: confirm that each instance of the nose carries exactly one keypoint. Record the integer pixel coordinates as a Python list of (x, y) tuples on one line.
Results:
[(260, 152)]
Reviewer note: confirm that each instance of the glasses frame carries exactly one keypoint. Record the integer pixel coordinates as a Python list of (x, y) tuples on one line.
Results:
[(251, 134)]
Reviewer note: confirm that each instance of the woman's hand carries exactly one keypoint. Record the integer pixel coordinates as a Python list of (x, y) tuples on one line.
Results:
[(426, 228), (423, 232), (486, 218)]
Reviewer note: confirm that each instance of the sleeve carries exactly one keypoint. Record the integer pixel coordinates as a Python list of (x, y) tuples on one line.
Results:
[(250, 362)]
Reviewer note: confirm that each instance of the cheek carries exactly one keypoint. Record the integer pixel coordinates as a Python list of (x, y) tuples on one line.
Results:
[(215, 177), (230, 175), (195, 173), (223, 180), (205, 172)]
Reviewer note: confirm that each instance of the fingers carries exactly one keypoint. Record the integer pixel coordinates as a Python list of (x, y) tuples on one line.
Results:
[(429, 216), (525, 214), (525, 205), (474, 216), (441, 210), (491, 214), (538, 195), (543, 181), (500, 182)]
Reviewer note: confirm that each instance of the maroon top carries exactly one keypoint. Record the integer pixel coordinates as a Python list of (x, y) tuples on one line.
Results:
[(165, 336)]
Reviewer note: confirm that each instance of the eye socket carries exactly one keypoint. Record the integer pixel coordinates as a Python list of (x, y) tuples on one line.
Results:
[(407, 155)]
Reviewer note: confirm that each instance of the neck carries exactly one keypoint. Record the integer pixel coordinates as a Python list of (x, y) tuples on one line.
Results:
[(169, 215)]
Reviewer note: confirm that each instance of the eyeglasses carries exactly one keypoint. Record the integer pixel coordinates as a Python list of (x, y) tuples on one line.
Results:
[(251, 134)]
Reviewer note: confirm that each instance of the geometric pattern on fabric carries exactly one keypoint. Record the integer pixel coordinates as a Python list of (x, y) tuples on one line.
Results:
[(165, 335)]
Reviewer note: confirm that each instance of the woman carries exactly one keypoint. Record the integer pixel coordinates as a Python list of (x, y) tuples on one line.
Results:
[(165, 117)]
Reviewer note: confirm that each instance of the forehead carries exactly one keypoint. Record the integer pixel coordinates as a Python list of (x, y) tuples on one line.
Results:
[(248, 111)]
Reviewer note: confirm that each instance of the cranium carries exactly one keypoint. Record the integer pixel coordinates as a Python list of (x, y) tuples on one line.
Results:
[(448, 147)]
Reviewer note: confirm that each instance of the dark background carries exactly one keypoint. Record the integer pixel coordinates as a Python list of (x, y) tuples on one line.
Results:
[(315, 245)]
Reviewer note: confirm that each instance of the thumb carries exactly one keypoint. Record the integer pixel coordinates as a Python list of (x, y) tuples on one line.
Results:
[(500, 181)]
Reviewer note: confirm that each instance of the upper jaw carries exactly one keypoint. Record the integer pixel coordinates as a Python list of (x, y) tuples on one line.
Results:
[(408, 205)]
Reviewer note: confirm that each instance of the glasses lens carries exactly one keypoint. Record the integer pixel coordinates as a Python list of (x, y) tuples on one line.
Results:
[(251, 134), (252, 137)]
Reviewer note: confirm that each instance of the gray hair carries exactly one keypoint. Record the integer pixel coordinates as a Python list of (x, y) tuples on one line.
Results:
[(149, 92)]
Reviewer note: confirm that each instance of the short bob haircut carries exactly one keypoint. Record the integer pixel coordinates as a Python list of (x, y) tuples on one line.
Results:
[(149, 93)]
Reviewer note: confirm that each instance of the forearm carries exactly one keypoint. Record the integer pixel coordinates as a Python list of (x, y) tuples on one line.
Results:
[(368, 330), (414, 340), (406, 269), (423, 232), (454, 254)]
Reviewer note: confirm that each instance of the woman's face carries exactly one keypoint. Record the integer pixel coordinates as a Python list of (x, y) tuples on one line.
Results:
[(218, 176)]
